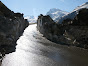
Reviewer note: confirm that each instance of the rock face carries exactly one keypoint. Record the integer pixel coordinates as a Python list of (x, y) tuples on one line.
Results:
[(73, 14), (12, 26), (70, 32)]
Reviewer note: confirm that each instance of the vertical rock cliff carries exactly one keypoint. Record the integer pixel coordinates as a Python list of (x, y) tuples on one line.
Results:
[(70, 32), (12, 26)]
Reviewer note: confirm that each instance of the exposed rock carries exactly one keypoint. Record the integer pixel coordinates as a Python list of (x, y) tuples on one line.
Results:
[(82, 18), (12, 26), (70, 32)]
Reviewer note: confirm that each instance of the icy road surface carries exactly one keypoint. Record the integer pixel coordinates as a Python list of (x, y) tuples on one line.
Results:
[(35, 50)]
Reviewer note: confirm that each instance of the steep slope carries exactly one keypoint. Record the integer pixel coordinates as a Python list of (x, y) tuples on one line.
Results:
[(56, 13), (12, 26), (73, 13), (72, 32), (85, 5)]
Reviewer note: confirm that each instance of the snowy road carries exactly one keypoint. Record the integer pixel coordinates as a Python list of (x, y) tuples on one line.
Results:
[(34, 50)]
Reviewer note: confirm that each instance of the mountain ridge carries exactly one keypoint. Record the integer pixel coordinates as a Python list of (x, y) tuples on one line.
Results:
[(55, 13), (72, 14), (72, 31)]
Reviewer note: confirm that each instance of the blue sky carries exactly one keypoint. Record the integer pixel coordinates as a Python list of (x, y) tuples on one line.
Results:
[(36, 7)]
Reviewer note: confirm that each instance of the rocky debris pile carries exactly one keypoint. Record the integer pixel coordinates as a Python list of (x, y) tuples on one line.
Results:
[(70, 32), (12, 26)]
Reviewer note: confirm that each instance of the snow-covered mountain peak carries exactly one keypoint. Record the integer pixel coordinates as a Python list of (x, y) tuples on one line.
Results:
[(53, 10), (55, 13), (85, 5), (72, 14), (31, 19)]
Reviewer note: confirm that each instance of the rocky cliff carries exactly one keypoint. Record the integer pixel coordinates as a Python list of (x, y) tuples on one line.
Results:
[(12, 26), (70, 32)]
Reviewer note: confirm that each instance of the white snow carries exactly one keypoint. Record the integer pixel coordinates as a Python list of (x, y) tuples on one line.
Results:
[(85, 5), (55, 13), (31, 19), (72, 14)]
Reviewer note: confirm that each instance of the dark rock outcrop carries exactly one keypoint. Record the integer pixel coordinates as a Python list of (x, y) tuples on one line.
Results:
[(70, 32), (82, 18), (12, 26)]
